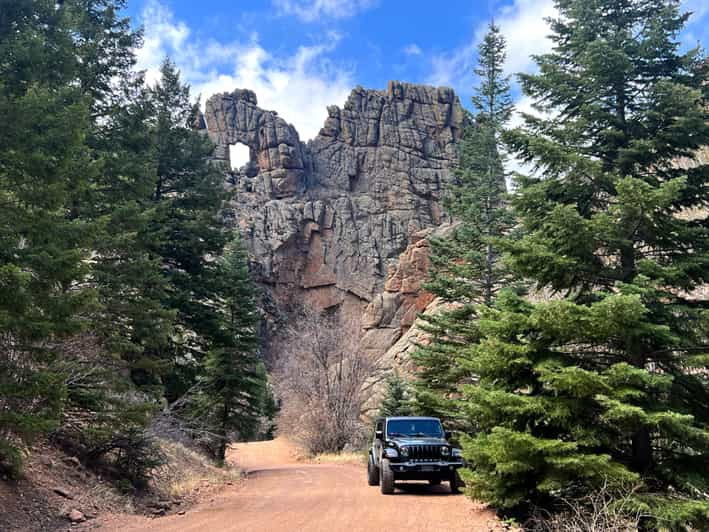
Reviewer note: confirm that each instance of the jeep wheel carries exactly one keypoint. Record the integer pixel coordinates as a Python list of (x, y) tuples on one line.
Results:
[(372, 473), (386, 477), (454, 482), (434, 481)]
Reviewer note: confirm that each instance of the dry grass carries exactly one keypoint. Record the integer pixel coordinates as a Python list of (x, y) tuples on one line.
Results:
[(186, 471), (344, 457), (600, 511)]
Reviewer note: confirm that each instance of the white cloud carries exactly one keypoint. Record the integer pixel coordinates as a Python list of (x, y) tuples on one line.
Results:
[(453, 69), (412, 49), (524, 26), (313, 10), (525, 29), (298, 86), (697, 26), (162, 34)]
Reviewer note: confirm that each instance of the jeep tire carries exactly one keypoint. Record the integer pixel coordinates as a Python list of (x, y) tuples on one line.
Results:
[(434, 481), (386, 477), (454, 482), (372, 473)]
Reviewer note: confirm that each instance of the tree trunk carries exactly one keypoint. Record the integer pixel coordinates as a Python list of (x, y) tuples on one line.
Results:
[(221, 450), (641, 440), (642, 450)]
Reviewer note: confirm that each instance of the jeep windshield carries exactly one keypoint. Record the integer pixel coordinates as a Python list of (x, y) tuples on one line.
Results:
[(416, 428)]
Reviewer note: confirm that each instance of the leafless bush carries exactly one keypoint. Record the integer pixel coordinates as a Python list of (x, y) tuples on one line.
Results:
[(601, 511), (319, 379), (186, 469)]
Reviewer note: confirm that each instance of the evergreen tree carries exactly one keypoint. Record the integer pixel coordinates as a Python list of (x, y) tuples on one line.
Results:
[(131, 327), (110, 224), (43, 251), (232, 386), (187, 231), (599, 385), (397, 400), (70, 158), (438, 371), (465, 266), (129, 318), (134, 322)]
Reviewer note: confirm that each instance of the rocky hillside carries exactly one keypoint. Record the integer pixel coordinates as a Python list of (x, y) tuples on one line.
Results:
[(326, 221)]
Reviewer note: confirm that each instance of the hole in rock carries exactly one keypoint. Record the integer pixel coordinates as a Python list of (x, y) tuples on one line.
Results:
[(239, 155)]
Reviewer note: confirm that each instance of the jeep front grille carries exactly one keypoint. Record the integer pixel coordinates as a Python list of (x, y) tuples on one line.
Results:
[(424, 453)]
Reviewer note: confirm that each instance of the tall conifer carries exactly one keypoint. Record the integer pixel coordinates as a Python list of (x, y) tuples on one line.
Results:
[(465, 266), (49, 170), (186, 230), (233, 391), (397, 398), (604, 383)]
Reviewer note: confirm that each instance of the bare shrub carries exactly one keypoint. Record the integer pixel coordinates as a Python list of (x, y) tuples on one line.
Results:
[(175, 423), (319, 378), (104, 419), (186, 469), (601, 511)]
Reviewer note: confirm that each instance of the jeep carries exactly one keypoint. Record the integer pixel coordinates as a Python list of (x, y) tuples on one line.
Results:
[(412, 448)]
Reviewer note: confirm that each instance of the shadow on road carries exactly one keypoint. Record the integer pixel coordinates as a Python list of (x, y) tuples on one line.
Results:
[(420, 489)]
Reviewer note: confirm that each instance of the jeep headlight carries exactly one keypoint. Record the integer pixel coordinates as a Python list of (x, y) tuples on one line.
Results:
[(390, 452), (404, 450), (457, 453), (445, 451)]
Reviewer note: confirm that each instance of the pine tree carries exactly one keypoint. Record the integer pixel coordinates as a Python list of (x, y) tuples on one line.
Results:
[(397, 398), (72, 164), (130, 327), (129, 318), (44, 250), (186, 233), (599, 385), (465, 266), (134, 322), (438, 371), (233, 389)]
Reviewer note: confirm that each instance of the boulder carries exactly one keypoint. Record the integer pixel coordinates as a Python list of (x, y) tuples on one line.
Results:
[(75, 516)]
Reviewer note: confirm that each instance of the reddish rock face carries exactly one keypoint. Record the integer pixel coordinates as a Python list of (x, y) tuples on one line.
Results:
[(403, 298), (404, 279), (342, 222)]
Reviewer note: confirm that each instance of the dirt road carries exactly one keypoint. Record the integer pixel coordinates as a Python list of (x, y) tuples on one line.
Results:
[(282, 494)]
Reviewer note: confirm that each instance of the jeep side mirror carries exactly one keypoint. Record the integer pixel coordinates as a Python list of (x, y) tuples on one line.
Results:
[(378, 434), (448, 434)]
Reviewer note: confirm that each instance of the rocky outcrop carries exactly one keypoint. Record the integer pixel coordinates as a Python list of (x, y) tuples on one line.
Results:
[(277, 165), (326, 221), (390, 321), (392, 312)]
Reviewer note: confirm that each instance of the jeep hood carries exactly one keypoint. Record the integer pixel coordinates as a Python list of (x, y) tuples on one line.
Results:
[(402, 440)]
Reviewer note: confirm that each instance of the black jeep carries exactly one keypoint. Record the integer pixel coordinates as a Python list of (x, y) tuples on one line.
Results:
[(412, 448)]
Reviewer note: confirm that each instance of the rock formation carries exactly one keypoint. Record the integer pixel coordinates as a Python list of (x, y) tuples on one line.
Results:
[(326, 221), (391, 328)]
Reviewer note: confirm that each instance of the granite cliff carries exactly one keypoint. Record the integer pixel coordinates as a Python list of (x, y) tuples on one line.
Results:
[(326, 222)]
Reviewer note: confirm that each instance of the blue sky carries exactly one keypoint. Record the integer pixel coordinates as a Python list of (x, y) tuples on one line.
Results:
[(301, 55)]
